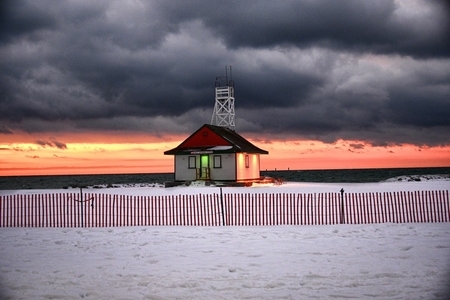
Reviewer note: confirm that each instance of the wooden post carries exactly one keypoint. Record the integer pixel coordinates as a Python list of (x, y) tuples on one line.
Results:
[(342, 207), (221, 207), (81, 203)]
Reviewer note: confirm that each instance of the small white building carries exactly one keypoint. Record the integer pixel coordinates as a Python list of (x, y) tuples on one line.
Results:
[(216, 153)]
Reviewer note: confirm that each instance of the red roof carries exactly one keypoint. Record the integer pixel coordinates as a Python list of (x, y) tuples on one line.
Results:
[(215, 139)]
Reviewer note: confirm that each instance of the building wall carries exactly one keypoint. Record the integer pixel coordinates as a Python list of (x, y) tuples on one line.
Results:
[(247, 168), (182, 171), (226, 172)]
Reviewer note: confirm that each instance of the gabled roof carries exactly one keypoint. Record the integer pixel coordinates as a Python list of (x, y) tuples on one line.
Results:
[(215, 139)]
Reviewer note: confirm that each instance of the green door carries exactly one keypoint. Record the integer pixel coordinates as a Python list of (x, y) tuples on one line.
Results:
[(204, 166)]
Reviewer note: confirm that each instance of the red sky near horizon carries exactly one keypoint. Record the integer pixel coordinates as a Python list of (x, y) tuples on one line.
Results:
[(24, 154)]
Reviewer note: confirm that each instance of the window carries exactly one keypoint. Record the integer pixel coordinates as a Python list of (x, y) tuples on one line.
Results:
[(247, 161), (217, 161), (192, 162)]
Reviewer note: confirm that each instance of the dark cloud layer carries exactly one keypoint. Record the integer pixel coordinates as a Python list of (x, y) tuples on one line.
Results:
[(360, 26), (52, 143), (374, 71)]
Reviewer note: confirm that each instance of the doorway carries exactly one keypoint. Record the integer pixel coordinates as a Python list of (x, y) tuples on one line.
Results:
[(204, 166)]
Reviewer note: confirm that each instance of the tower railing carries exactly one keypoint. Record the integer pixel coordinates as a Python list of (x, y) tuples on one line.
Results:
[(224, 113)]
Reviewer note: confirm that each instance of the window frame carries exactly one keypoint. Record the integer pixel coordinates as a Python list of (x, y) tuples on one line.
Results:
[(217, 161), (192, 162)]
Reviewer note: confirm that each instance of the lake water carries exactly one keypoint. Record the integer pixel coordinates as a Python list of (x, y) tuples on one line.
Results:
[(350, 175)]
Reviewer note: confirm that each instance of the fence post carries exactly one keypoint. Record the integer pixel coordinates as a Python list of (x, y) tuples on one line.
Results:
[(81, 203), (221, 207), (341, 219)]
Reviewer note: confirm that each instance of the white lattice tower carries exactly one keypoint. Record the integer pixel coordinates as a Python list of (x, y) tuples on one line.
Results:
[(223, 114)]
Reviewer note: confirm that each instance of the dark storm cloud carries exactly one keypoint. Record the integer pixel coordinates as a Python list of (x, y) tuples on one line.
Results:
[(412, 107), (44, 143), (375, 71), (286, 87), (59, 145), (52, 143), (4, 130), (15, 21), (368, 26)]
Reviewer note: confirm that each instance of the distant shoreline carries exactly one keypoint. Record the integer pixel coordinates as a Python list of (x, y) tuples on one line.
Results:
[(324, 176)]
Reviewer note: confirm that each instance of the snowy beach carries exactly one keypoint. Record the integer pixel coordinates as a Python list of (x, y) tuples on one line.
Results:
[(383, 261)]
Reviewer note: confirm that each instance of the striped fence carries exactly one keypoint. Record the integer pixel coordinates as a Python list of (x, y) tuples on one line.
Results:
[(104, 210)]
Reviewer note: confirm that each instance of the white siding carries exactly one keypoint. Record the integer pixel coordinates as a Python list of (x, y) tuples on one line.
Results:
[(252, 172), (227, 172), (182, 171), (233, 167)]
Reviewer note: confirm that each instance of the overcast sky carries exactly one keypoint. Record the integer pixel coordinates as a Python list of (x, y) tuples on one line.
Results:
[(372, 71)]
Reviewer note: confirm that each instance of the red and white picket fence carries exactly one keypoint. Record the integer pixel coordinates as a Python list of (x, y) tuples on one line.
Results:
[(105, 210)]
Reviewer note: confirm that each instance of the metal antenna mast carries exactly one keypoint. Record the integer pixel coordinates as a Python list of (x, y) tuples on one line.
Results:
[(223, 114)]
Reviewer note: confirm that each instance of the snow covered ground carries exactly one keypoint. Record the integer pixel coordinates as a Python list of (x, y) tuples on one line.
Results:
[(382, 261)]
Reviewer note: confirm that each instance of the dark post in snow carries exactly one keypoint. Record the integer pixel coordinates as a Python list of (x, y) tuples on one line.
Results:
[(81, 202), (221, 206), (111, 212), (342, 207)]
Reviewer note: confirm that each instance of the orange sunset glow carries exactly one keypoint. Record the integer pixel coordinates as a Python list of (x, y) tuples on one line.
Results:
[(125, 154)]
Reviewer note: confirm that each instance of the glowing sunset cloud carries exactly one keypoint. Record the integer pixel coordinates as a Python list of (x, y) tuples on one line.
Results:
[(45, 158), (308, 155), (106, 158)]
